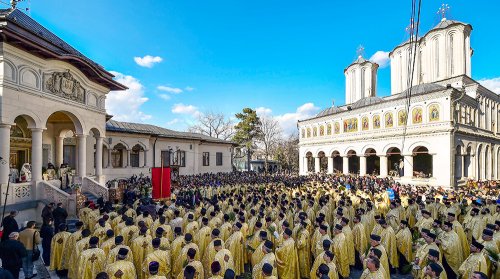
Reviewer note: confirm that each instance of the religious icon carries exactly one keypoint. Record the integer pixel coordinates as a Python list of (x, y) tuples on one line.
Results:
[(329, 129), (401, 118), (351, 125), (434, 113), (389, 121), (376, 121), (417, 115), (315, 132), (337, 128), (308, 132), (364, 123), (321, 130)]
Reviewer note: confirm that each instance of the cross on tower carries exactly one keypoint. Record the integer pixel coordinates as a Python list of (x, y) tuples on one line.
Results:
[(13, 3), (410, 29), (443, 10), (360, 50)]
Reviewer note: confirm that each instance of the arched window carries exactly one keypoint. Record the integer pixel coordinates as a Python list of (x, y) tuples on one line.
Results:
[(436, 56), (452, 70)]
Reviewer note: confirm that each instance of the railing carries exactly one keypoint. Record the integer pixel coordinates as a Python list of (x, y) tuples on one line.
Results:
[(92, 186), (19, 192), (54, 194)]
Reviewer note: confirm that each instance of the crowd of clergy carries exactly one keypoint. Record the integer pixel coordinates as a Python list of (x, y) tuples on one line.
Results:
[(287, 227)]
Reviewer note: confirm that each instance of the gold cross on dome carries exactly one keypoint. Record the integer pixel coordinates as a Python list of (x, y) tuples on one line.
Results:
[(443, 10), (360, 50)]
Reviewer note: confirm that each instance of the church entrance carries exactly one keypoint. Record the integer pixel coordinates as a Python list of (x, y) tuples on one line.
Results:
[(353, 162), (393, 159), (20, 150), (338, 162), (422, 162), (372, 162), (323, 162)]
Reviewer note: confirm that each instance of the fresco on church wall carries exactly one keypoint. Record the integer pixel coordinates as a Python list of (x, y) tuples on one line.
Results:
[(308, 132), (433, 113), (376, 121), (321, 130), (416, 115), (364, 123), (351, 125), (337, 128), (329, 129), (401, 117), (315, 132), (389, 120)]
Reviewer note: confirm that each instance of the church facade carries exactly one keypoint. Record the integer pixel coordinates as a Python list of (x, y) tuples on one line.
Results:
[(52, 112), (441, 131)]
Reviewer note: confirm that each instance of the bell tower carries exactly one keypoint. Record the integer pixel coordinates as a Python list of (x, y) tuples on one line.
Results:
[(360, 78)]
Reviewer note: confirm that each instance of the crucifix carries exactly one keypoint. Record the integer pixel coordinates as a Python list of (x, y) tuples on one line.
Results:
[(360, 50), (13, 3), (93, 258), (410, 29), (443, 10)]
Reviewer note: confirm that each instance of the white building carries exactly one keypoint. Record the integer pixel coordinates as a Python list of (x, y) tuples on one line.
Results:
[(52, 110), (452, 132)]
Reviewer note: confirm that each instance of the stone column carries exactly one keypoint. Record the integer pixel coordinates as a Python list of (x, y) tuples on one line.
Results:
[(345, 164), (316, 164), (362, 165), (145, 158), (383, 165), (59, 151), (128, 158), (4, 153), (109, 158), (36, 154), (330, 164), (82, 156), (408, 165), (98, 156)]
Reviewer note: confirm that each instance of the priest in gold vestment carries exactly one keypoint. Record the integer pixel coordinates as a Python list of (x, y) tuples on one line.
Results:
[(121, 268), (223, 256), (340, 251), (57, 248), (286, 257), (91, 261), (373, 270), (193, 262), (450, 245), (235, 245), (404, 243), (303, 249), (475, 262), (269, 258), (162, 257)]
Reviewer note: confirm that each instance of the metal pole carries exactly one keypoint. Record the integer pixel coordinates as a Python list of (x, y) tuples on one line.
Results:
[(5, 202)]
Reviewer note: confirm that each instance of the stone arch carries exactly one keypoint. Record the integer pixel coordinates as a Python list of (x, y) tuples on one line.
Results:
[(349, 148), (412, 147), (31, 118), (389, 146), (10, 70), (76, 119), (479, 162), (353, 161), (122, 143), (366, 147), (320, 150), (97, 132), (309, 161), (422, 161), (29, 77)]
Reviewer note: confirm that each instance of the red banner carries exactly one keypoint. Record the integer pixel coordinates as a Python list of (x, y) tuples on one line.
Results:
[(161, 182)]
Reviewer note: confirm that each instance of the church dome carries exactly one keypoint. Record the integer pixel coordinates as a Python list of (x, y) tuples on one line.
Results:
[(329, 111), (424, 88), (445, 23), (366, 102)]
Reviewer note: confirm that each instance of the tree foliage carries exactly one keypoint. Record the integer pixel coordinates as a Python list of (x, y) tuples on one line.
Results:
[(247, 131), (271, 134)]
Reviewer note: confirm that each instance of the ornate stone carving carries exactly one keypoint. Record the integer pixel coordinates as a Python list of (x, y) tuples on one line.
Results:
[(63, 84)]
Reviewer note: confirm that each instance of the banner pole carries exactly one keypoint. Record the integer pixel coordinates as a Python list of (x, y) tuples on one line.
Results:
[(161, 180)]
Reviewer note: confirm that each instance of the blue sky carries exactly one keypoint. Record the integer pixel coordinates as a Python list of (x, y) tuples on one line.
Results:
[(284, 57)]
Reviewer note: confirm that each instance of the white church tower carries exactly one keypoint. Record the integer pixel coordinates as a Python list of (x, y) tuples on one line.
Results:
[(360, 79), (443, 52)]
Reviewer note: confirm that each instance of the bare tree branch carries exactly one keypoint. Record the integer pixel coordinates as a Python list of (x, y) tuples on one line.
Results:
[(213, 124)]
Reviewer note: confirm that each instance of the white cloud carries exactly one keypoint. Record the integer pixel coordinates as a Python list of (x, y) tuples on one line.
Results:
[(189, 88), (288, 121), (165, 97), (173, 121), (185, 109), (126, 105), (169, 89), (381, 58), (263, 111), (492, 84), (147, 61)]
